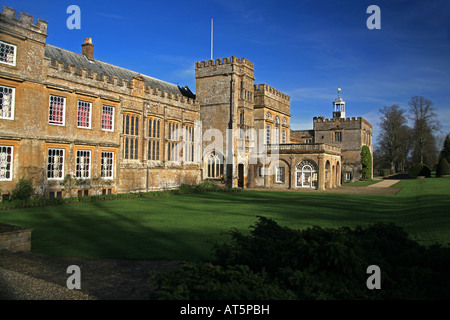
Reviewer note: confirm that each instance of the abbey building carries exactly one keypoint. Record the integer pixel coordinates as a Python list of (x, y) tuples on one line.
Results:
[(67, 114)]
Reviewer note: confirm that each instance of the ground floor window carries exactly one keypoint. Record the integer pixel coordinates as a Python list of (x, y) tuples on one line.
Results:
[(83, 169), (55, 164), (214, 166), (280, 172), (307, 172), (107, 167), (348, 176), (6, 158)]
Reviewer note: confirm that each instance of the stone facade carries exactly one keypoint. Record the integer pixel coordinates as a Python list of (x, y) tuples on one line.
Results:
[(70, 118), (351, 134), (64, 113)]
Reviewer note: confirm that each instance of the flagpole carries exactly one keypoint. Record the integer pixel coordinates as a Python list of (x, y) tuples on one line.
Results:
[(212, 38)]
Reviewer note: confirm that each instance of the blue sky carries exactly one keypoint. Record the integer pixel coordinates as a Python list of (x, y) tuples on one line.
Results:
[(304, 48)]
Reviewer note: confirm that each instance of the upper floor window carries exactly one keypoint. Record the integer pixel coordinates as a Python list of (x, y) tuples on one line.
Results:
[(57, 110), (284, 138), (8, 53), (277, 135), (284, 120), (7, 103), (269, 115), (84, 114), (6, 161), (268, 133), (338, 136), (154, 138), (277, 120), (55, 164), (108, 118), (131, 140)]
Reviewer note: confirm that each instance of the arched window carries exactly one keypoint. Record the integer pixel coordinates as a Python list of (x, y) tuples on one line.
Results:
[(307, 172), (214, 166)]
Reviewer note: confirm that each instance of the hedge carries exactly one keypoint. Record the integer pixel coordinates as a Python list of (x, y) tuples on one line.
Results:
[(183, 189), (419, 170)]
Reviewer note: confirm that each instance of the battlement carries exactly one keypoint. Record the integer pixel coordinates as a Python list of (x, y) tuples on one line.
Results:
[(25, 20), (264, 88), (224, 61), (121, 84), (323, 120)]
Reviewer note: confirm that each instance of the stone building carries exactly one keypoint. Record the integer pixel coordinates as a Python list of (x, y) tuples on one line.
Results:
[(350, 134), (114, 130)]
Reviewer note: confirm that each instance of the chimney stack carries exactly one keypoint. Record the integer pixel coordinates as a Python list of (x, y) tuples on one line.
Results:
[(88, 48)]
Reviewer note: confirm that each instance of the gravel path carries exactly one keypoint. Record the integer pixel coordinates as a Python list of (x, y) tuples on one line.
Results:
[(34, 276), (17, 286)]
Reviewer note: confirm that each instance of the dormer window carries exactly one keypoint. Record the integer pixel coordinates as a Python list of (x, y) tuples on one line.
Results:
[(8, 53)]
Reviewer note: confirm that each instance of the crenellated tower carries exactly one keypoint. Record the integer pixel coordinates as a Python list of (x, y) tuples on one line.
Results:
[(225, 92)]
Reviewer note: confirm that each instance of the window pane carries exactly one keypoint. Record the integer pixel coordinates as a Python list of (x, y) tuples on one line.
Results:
[(83, 164), (7, 53), (56, 110), (55, 168), (108, 118), (6, 102), (84, 114), (6, 158)]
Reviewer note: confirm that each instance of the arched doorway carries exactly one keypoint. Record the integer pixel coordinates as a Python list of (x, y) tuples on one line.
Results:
[(306, 174)]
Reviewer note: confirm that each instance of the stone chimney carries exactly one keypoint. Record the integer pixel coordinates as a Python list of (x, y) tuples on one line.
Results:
[(88, 48)]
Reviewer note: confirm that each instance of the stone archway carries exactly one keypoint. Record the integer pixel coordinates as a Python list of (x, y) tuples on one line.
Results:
[(307, 174)]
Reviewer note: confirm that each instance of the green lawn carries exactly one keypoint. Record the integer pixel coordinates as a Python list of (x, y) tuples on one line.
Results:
[(185, 227)]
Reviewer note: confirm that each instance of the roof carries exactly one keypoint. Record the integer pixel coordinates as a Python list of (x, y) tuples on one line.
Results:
[(100, 67)]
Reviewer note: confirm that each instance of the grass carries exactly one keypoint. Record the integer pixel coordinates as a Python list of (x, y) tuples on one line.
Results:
[(185, 227)]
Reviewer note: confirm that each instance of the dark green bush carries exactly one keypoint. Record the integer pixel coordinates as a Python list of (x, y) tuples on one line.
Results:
[(387, 172), (23, 190), (443, 168), (418, 170), (315, 263), (366, 161)]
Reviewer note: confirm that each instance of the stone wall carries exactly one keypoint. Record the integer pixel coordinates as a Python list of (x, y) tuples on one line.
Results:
[(14, 238)]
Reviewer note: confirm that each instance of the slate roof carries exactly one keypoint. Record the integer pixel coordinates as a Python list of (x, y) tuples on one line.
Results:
[(80, 61)]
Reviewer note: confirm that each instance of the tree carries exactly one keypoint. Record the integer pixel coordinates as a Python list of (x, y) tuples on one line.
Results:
[(442, 169), (366, 161), (422, 113), (445, 153), (394, 139)]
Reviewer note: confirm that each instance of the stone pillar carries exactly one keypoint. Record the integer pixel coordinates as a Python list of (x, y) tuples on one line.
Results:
[(292, 182), (321, 173)]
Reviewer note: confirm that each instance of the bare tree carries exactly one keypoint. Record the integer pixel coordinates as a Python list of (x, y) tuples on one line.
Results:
[(422, 113), (394, 139)]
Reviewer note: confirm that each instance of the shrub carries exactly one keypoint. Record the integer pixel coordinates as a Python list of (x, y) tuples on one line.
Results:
[(443, 168), (419, 170), (366, 161), (387, 172), (23, 190), (274, 262)]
